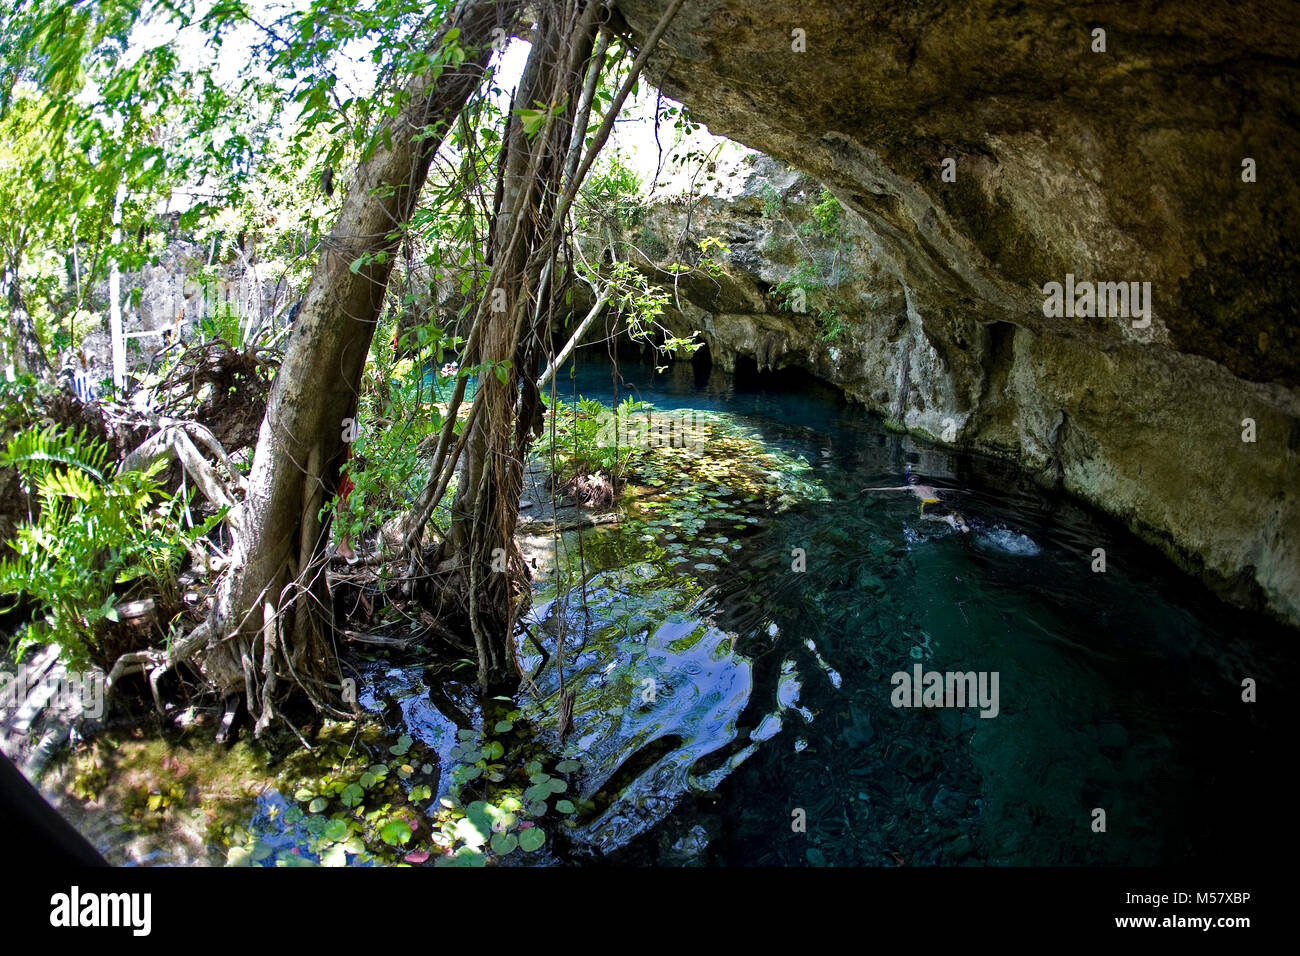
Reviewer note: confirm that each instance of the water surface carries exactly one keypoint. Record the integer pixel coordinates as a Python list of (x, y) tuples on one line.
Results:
[(1118, 691)]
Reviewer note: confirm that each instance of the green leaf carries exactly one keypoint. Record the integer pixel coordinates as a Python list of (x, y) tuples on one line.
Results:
[(336, 831), (537, 792), (531, 840), (334, 856), (318, 805), (503, 844), (396, 832), (353, 795), (503, 727), (402, 746), (565, 806), (470, 831)]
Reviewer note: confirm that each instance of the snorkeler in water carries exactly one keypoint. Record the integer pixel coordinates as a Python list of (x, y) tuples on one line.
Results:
[(932, 507)]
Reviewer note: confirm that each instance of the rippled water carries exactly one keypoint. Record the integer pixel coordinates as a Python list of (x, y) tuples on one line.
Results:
[(1117, 691)]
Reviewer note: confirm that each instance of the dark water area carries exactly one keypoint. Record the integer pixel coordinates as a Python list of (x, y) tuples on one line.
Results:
[(1118, 691)]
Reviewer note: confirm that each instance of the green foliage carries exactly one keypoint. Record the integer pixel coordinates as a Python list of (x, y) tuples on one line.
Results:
[(814, 285), (399, 419), (20, 398), (827, 214), (641, 305), (612, 193), (587, 438), (99, 533), (807, 290)]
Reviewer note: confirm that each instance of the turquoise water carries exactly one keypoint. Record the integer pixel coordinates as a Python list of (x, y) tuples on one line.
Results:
[(1117, 691)]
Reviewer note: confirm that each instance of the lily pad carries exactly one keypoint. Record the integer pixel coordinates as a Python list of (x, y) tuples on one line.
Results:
[(504, 844), (396, 832), (531, 839), (336, 831), (469, 831)]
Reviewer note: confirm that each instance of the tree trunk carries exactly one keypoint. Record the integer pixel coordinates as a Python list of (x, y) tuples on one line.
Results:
[(272, 618), (117, 342), (480, 548), (539, 178)]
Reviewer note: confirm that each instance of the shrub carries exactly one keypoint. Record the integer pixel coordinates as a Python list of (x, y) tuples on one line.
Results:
[(98, 535), (588, 439)]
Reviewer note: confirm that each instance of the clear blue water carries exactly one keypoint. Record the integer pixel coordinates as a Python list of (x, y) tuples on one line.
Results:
[(1118, 691)]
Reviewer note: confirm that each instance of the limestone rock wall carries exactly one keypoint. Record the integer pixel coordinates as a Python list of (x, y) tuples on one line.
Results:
[(1122, 164)]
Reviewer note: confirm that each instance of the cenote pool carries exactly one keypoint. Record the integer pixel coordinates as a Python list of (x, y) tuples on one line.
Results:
[(729, 709), (1117, 690)]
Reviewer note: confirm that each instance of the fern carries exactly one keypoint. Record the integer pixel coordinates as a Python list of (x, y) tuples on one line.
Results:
[(97, 530)]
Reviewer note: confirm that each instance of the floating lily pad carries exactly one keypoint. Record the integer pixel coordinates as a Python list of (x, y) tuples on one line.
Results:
[(336, 831), (469, 831), (538, 791), (531, 839), (503, 844), (396, 832)]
